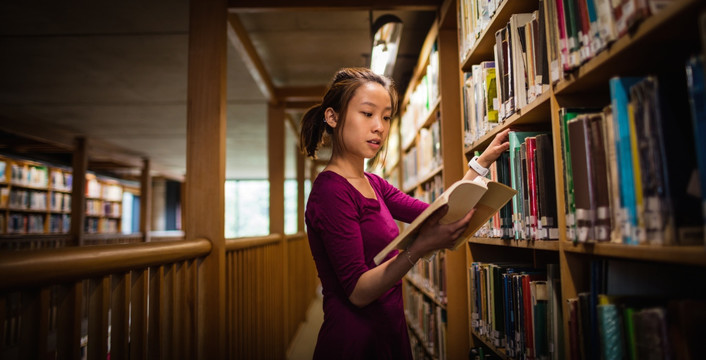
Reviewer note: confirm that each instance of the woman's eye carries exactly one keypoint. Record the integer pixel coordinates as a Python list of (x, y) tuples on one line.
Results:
[(367, 114), (387, 118)]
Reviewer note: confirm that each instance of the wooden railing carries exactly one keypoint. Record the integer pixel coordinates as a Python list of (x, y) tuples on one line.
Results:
[(267, 294), (139, 301), (62, 302)]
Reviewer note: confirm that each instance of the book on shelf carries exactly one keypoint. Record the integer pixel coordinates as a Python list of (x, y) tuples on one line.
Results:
[(697, 101), (480, 193)]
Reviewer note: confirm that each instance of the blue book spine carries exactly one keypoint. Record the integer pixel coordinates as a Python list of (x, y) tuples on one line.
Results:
[(619, 94), (697, 101)]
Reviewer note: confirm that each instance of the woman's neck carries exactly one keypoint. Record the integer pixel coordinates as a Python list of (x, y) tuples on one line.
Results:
[(348, 168)]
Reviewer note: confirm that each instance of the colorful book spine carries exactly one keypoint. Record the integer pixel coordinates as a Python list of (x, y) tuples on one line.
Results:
[(619, 90)]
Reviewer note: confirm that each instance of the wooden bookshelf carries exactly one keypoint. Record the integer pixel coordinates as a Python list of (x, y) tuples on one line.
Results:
[(429, 293), (549, 245), (686, 255), (661, 40)]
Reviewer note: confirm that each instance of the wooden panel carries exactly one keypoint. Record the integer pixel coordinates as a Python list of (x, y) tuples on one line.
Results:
[(119, 315), (238, 36), (30, 316), (138, 314), (69, 316), (154, 314), (167, 313), (98, 305)]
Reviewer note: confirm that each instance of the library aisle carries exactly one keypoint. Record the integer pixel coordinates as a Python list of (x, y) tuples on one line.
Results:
[(302, 347)]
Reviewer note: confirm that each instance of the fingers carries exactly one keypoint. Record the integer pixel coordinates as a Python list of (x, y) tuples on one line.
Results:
[(438, 214)]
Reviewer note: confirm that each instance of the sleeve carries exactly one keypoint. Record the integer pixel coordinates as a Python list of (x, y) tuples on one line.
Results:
[(338, 222), (402, 206)]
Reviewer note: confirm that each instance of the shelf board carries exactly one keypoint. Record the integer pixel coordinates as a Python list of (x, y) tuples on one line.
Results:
[(431, 116), (31, 187), (549, 245), (67, 191), (499, 352), (536, 112), (651, 40), (430, 175), (36, 211), (482, 50), (427, 292), (686, 255)]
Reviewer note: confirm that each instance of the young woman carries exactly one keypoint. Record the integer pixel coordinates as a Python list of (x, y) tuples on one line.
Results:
[(350, 217)]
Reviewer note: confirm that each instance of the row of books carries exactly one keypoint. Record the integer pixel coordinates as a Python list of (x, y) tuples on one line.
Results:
[(425, 157), (97, 225), (430, 190), (25, 199), (431, 276), (520, 59), (60, 202), (102, 208), (29, 175), (61, 180), (473, 18), (59, 223), (527, 167), (25, 223), (422, 100), (428, 323), (579, 30), (517, 308), (630, 169), (480, 101), (608, 322)]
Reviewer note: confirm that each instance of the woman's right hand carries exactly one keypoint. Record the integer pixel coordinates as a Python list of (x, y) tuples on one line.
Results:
[(435, 236)]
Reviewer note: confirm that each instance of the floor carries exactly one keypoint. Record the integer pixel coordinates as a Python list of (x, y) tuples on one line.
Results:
[(302, 347)]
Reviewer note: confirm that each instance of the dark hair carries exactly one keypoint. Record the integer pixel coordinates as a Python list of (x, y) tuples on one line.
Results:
[(343, 86)]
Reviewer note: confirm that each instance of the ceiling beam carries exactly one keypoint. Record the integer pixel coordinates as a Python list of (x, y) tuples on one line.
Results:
[(339, 5), (300, 93), (238, 36)]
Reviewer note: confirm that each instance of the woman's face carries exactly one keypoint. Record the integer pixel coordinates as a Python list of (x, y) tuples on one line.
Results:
[(367, 120)]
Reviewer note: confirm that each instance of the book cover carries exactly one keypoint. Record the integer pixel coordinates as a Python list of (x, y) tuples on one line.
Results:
[(610, 330), (619, 90), (697, 102), (600, 178), (612, 175), (584, 192), (546, 184), (485, 195), (540, 299), (531, 148), (651, 340)]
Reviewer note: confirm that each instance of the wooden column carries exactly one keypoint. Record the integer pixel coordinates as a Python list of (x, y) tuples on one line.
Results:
[(301, 178), (454, 168), (145, 200), (275, 167), (78, 190), (205, 167)]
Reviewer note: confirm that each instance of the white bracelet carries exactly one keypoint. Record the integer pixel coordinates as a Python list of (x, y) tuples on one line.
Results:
[(473, 164)]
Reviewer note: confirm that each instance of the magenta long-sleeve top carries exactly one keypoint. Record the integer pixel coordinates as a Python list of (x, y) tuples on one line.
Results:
[(346, 230)]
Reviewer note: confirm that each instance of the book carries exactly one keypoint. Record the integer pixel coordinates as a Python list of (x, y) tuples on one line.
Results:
[(697, 103), (485, 195)]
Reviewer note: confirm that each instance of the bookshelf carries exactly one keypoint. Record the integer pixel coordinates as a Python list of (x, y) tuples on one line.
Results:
[(667, 39), (35, 198)]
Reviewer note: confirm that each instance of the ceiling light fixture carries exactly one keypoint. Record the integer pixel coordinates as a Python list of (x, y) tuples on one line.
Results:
[(387, 31)]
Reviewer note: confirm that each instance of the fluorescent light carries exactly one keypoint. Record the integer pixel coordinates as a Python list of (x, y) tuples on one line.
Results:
[(386, 42)]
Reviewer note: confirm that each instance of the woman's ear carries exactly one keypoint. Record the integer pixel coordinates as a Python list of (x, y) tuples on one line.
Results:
[(331, 117)]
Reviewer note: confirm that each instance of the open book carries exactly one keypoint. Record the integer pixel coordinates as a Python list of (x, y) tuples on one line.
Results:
[(485, 195)]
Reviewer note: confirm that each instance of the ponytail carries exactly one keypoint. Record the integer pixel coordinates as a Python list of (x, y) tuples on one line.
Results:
[(312, 130)]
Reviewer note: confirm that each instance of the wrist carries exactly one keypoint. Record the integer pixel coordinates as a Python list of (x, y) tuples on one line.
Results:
[(478, 167), (482, 161)]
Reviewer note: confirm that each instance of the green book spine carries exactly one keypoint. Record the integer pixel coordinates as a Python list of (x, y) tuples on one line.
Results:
[(630, 333), (609, 328)]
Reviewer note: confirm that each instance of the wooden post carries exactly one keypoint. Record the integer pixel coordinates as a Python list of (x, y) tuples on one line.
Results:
[(451, 133), (205, 166), (145, 200), (275, 166), (301, 178), (78, 190)]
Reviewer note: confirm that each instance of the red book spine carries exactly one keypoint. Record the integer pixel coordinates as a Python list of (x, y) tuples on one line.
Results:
[(532, 184)]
